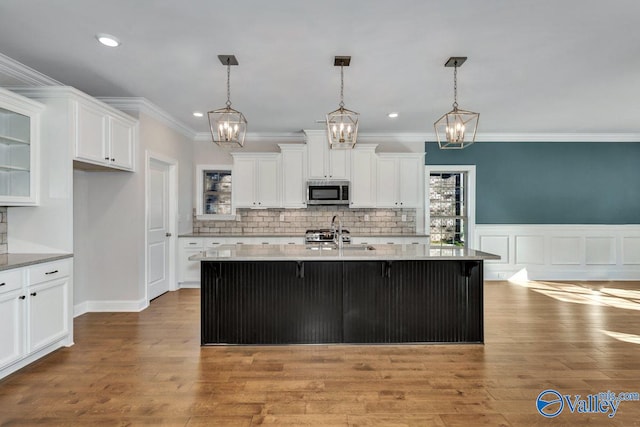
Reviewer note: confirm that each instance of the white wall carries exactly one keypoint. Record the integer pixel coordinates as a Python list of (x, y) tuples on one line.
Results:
[(113, 234)]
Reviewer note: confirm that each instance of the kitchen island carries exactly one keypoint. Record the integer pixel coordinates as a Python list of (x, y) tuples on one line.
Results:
[(297, 294)]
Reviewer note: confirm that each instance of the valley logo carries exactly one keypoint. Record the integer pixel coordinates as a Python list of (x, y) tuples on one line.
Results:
[(550, 403)]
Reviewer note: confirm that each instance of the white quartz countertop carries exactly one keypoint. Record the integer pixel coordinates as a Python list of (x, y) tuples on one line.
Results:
[(374, 252)]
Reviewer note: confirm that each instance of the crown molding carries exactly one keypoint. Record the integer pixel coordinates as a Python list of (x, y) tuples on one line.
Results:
[(146, 107), (26, 75), (555, 137)]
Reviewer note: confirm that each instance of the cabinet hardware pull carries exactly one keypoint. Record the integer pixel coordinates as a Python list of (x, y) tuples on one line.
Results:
[(167, 234), (193, 243), (2, 284), (113, 160), (51, 272), (106, 158), (22, 297), (33, 294)]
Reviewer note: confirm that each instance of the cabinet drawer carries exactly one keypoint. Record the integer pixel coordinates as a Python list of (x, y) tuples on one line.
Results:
[(11, 280), (48, 271), (191, 243)]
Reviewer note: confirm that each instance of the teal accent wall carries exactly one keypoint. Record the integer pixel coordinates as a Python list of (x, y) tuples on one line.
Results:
[(551, 182)]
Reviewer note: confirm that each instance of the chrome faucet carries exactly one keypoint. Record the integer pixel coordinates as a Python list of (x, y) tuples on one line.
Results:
[(337, 237)]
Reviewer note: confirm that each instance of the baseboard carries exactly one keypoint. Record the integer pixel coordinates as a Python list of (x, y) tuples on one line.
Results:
[(109, 306), (189, 285)]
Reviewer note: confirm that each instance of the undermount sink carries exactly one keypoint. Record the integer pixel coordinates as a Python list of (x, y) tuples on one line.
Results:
[(346, 248)]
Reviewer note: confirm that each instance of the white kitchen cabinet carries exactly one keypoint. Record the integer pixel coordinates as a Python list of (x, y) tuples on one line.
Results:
[(256, 180), (400, 180), (294, 175), (19, 143), (102, 137), (324, 163), (35, 313), (189, 271), (12, 307), (363, 176)]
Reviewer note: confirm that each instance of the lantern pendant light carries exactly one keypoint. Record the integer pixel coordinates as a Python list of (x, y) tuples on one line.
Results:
[(456, 129), (228, 126), (342, 124)]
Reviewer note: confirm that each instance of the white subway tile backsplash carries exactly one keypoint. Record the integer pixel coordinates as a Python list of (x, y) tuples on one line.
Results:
[(297, 221)]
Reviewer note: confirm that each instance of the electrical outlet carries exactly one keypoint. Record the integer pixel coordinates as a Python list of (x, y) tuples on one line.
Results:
[(366, 217), (404, 218), (282, 217), (502, 275)]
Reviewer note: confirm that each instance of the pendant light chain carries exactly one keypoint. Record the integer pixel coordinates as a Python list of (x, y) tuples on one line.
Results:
[(341, 87), (455, 85), (228, 84)]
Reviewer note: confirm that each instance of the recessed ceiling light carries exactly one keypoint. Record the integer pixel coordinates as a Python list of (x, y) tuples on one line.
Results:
[(392, 115), (108, 40), (198, 114)]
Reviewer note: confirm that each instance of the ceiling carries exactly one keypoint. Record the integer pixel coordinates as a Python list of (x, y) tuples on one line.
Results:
[(535, 66)]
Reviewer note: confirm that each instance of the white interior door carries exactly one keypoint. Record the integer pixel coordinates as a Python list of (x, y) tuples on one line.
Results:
[(158, 232)]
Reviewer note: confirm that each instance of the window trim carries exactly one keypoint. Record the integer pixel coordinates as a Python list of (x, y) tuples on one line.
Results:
[(470, 170), (200, 194)]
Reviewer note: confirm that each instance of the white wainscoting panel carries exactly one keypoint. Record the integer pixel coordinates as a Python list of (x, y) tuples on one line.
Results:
[(631, 250), (566, 250), (561, 252), (600, 250), (498, 245), (529, 249)]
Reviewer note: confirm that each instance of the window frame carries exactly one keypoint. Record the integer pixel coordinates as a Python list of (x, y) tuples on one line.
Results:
[(470, 170), (199, 178)]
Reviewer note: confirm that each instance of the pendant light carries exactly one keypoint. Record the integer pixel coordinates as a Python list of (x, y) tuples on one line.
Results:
[(228, 126), (457, 128), (342, 124)]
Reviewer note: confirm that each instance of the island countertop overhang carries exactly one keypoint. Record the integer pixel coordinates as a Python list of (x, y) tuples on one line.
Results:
[(380, 252)]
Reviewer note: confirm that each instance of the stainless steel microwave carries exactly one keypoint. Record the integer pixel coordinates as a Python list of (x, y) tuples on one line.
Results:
[(323, 192)]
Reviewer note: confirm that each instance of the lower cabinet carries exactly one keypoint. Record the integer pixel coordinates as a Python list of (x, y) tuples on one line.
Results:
[(189, 271), (35, 313)]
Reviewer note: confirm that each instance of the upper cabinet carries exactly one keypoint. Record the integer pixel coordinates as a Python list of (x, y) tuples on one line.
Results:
[(363, 176), (256, 180), (294, 175), (19, 139), (400, 180), (323, 162), (102, 137)]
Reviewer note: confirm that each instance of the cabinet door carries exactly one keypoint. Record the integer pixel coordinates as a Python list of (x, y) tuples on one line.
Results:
[(293, 177), (339, 160), (121, 136), (11, 327), (363, 179), (410, 182), (244, 182), (91, 138), (189, 270), (387, 183), (48, 313), (268, 184), (317, 156)]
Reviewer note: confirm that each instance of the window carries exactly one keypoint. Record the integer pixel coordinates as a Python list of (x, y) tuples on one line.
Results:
[(214, 188), (450, 204)]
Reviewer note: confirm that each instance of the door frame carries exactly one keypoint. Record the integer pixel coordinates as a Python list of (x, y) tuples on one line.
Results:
[(471, 197), (173, 218)]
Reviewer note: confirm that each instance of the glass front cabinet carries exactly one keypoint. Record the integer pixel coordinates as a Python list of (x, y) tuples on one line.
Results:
[(19, 138), (213, 192)]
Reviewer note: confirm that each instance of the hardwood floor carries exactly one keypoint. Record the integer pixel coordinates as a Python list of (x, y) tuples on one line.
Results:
[(148, 369)]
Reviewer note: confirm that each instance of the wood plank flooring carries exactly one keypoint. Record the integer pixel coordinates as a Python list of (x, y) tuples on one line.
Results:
[(148, 369)]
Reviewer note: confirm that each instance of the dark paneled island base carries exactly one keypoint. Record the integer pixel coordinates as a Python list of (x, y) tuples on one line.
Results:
[(369, 301)]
